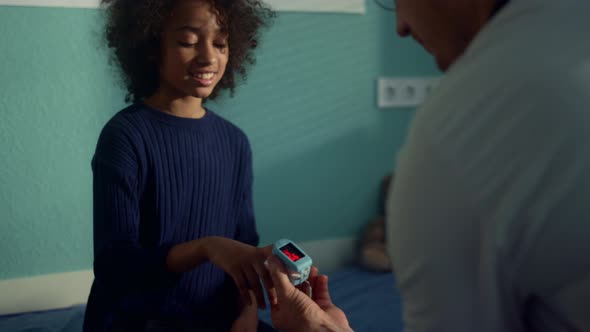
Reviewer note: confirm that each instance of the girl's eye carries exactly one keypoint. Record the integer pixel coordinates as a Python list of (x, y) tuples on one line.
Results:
[(221, 45), (183, 44)]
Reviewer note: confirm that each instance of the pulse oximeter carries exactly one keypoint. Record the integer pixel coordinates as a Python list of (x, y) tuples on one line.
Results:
[(296, 261)]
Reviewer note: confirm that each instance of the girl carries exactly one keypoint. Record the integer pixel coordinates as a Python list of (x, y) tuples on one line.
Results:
[(174, 231)]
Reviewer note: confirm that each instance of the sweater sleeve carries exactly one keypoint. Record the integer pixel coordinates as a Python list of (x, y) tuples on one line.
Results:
[(246, 231), (121, 262)]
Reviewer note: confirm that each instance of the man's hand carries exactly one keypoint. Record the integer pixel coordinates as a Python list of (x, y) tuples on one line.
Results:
[(295, 311)]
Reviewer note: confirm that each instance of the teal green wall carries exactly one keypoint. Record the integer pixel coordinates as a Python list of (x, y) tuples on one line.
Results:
[(320, 144)]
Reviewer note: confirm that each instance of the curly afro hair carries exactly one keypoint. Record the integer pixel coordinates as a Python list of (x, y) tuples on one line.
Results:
[(133, 32)]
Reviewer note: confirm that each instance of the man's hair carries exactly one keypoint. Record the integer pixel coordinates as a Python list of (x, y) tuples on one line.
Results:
[(133, 32)]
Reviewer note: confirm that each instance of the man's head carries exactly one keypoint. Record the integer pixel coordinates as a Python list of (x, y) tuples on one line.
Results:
[(443, 27)]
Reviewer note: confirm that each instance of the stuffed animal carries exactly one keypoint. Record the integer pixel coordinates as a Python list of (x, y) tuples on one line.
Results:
[(373, 247)]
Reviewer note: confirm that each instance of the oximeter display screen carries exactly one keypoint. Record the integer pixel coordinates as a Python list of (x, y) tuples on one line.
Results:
[(292, 252)]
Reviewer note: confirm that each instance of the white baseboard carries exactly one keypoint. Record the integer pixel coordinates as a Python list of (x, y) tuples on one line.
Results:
[(45, 292), (63, 290), (328, 255)]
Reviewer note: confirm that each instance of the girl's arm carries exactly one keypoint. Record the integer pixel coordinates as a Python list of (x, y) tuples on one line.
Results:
[(120, 261), (246, 231)]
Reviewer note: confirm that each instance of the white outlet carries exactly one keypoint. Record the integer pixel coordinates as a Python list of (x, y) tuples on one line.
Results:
[(404, 92)]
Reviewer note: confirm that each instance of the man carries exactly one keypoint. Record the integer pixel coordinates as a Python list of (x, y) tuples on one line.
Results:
[(488, 225)]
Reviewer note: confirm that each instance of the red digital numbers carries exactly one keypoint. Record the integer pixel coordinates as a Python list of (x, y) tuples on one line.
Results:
[(292, 256)]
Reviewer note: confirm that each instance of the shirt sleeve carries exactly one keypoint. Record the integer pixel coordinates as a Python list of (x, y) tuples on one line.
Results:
[(121, 262), (432, 239), (246, 225)]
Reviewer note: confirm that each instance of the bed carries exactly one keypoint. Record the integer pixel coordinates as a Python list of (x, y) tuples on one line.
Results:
[(369, 300)]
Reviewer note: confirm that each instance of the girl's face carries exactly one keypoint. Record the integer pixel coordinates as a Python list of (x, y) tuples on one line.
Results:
[(194, 50)]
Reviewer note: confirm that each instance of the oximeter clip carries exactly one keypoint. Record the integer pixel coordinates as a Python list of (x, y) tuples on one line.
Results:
[(297, 262)]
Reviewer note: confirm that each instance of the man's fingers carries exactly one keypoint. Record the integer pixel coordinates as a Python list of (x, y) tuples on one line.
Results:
[(321, 294), (314, 278), (314, 272), (304, 287)]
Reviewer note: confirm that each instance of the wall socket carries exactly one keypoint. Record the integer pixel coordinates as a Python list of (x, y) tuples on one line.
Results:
[(404, 91)]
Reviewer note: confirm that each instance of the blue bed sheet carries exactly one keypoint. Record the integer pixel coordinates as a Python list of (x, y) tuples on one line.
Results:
[(62, 320), (369, 300)]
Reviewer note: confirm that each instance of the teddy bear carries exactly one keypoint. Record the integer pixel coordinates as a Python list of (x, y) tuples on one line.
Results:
[(373, 248)]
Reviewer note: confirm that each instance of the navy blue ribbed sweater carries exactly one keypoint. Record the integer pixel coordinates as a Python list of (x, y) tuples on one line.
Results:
[(160, 180)]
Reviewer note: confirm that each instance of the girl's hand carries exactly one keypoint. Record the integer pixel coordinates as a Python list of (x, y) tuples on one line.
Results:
[(244, 263)]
